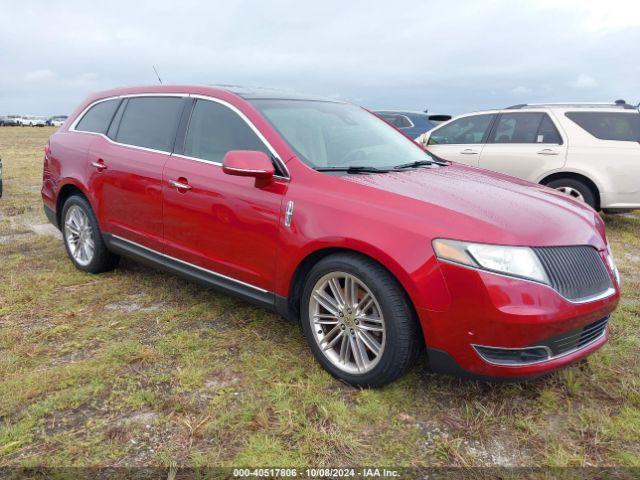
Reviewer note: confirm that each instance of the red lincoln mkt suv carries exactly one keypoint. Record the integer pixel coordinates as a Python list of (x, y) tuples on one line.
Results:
[(325, 213)]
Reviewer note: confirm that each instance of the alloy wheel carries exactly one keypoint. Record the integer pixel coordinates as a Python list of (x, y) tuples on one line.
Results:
[(347, 322), (572, 192), (79, 235)]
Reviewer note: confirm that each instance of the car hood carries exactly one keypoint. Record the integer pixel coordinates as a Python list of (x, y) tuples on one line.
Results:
[(468, 203)]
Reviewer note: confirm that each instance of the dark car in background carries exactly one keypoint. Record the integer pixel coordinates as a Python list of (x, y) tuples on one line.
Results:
[(8, 120), (412, 124)]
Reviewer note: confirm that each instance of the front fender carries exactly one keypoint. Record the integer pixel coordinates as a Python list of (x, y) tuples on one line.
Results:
[(323, 222)]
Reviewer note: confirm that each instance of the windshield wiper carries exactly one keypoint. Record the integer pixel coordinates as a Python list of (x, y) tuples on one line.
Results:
[(420, 163), (353, 169)]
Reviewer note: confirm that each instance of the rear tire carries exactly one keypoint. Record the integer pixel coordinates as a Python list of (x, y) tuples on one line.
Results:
[(83, 239), (384, 335), (576, 189)]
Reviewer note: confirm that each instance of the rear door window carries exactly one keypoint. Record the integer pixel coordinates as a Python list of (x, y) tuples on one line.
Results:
[(214, 129), (609, 125), (150, 122), (525, 127), (466, 130), (98, 117)]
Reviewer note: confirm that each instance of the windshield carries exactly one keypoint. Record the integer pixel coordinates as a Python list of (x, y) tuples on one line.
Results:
[(326, 134)]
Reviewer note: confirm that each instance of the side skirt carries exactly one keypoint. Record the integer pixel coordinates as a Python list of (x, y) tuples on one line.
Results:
[(191, 272)]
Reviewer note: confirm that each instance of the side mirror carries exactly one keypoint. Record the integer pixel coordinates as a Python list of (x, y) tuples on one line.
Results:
[(249, 163)]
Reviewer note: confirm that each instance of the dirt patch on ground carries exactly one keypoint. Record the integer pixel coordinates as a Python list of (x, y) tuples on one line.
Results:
[(46, 229), (495, 452), (134, 304)]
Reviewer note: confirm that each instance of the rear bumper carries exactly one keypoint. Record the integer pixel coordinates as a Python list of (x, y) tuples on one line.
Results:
[(507, 313)]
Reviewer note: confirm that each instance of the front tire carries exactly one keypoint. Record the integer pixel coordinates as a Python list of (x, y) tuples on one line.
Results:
[(83, 239), (358, 321), (576, 189)]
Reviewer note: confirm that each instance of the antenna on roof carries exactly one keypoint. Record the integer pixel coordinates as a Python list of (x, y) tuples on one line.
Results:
[(157, 75)]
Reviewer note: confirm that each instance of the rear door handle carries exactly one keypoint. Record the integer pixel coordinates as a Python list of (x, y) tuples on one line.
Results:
[(548, 151), (180, 184), (469, 151), (99, 165)]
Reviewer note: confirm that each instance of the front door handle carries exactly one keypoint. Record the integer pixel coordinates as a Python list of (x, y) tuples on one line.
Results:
[(180, 184), (99, 165), (469, 151), (548, 151)]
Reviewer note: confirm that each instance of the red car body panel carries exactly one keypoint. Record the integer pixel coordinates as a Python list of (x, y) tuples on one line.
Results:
[(132, 182), (228, 225), (224, 223)]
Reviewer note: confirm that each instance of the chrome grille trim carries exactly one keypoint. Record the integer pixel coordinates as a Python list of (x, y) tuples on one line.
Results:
[(578, 272), (586, 336)]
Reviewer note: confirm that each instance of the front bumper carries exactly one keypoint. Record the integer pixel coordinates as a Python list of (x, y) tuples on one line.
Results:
[(504, 312)]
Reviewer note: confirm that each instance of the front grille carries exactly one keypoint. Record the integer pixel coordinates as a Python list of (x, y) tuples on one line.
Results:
[(576, 272), (575, 339)]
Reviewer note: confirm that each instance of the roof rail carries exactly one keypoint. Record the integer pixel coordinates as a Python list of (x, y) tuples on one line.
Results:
[(617, 103)]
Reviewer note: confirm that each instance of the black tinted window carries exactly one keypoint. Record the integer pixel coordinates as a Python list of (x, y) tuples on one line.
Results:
[(150, 122), (609, 125), (403, 122), (465, 130), (98, 117), (525, 127), (547, 132), (215, 129)]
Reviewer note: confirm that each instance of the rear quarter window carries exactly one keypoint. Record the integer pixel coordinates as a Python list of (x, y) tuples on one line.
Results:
[(98, 117), (609, 125)]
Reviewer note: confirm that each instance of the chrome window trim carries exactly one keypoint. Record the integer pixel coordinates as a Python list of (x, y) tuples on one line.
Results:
[(255, 130), (126, 145), (411, 124), (550, 358), (598, 296), (206, 270), (72, 128), (379, 113), (233, 108)]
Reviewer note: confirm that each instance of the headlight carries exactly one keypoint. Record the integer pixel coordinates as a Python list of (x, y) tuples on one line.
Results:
[(515, 261), (612, 263)]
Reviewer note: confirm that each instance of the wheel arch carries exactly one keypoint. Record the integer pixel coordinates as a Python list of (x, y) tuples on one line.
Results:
[(290, 306), (68, 189), (576, 176)]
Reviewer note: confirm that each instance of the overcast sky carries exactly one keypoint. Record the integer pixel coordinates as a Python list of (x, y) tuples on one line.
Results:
[(448, 56)]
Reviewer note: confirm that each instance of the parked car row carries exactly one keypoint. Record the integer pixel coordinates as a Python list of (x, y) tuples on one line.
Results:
[(325, 213), (588, 151), (31, 121)]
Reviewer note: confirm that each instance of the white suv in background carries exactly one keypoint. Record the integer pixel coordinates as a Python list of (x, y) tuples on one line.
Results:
[(589, 151)]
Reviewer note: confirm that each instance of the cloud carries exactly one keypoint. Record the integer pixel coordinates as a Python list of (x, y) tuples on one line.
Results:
[(520, 90), (40, 76), (583, 81), (378, 54), (84, 79)]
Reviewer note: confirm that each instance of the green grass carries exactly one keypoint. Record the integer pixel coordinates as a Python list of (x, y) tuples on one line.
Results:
[(137, 367)]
